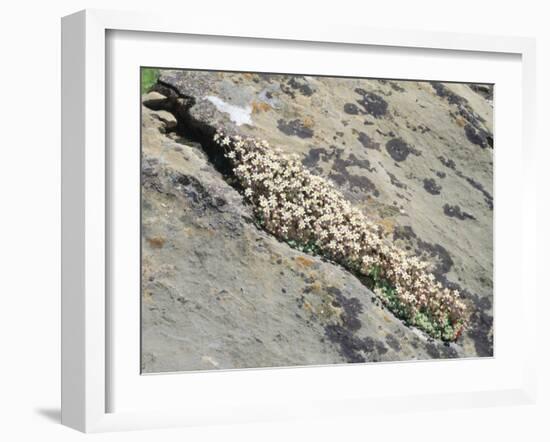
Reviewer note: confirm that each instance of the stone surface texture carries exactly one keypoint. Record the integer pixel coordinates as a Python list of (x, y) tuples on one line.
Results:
[(220, 293)]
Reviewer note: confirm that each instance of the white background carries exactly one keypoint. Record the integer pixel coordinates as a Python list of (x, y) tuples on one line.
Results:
[(262, 391), (29, 182)]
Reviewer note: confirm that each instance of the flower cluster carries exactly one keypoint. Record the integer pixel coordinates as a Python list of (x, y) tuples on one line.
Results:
[(302, 208)]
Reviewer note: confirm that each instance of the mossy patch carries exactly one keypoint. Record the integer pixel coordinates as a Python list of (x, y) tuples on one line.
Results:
[(149, 77)]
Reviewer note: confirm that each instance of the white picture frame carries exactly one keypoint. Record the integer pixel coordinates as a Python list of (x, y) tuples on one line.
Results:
[(86, 317)]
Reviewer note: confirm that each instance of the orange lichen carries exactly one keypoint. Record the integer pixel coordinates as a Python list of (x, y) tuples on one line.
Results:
[(387, 224), (315, 287), (260, 106), (304, 261), (308, 122), (156, 242)]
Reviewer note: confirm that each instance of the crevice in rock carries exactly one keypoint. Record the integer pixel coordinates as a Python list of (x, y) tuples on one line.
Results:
[(195, 130)]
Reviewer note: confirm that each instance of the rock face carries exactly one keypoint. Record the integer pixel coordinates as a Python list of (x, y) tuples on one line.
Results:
[(218, 292)]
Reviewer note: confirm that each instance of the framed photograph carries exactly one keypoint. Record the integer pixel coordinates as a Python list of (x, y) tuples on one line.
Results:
[(266, 222)]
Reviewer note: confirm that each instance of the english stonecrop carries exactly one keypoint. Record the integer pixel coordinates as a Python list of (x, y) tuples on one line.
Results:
[(309, 213)]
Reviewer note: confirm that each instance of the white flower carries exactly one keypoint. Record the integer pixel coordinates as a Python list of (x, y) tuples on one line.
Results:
[(288, 194)]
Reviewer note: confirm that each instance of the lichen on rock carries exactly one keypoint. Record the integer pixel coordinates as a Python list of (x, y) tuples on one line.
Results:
[(218, 291)]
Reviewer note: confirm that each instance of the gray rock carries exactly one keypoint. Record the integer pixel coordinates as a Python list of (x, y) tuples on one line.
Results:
[(342, 129), (168, 120), (218, 292), (154, 100)]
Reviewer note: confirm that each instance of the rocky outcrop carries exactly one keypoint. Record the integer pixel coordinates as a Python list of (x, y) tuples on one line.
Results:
[(219, 292)]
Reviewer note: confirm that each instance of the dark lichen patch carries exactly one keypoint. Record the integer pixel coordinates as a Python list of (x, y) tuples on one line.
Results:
[(432, 350), (352, 307), (449, 352), (300, 84), (149, 167), (296, 84), (351, 347), (188, 181), (478, 136), (396, 87), (447, 162), (369, 344), (294, 128), (456, 212), (384, 134), (268, 78), (340, 165), (363, 183), (196, 192), (478, 186), (393, 342), (440, 351), (440, 174), (485, 90), (399, 150), (444, 260), (355, 181), (474, 130), (363, 164), (175, 184), (372, 104), (351, 109), (395, 182), (470, 116), (486, 282), (339, 172), (435, 253), (381, 90), (380, 347), (481, 332), (444, 92), (313, 156), (431, 186), (367, 142)]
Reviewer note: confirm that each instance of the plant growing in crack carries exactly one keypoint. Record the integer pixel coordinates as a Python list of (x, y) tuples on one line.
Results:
[(310, 214)]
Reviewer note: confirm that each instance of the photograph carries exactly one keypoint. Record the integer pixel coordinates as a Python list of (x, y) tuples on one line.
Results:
[(290, 219), (279, 222)]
